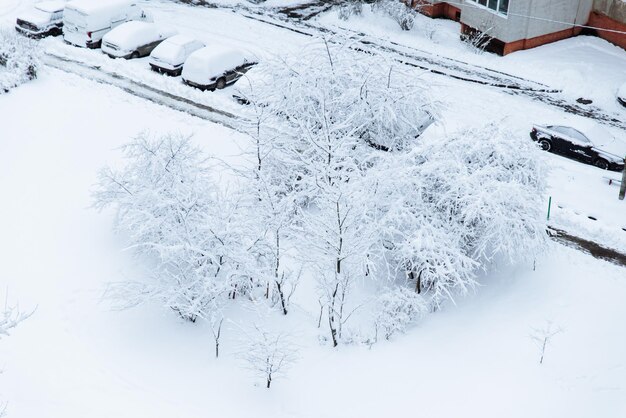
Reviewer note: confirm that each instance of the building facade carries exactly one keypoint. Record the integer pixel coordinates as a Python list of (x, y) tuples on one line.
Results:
[(514, 25)]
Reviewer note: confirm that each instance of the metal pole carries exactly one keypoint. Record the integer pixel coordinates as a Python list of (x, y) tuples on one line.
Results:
[(549, 206), (622, 189)]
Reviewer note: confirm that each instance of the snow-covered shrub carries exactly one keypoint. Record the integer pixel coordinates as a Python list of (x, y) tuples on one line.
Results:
[(464, 201), (173, 213), (402, 14), (325, 117), (478, 41), (268, 355), (350, 8), (19, 60), (399, 307), (10, 318)]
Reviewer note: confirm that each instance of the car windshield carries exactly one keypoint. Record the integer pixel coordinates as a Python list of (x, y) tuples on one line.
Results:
[(575, 134), (606, 141)]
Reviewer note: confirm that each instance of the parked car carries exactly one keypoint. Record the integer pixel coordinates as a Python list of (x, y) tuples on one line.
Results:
[(134, 39), (44, 19), (590, 144), (621, 95), (85, 22), (170, 55), (215, 67)]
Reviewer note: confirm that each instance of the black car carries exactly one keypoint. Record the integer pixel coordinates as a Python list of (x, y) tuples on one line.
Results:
[(595, 146)]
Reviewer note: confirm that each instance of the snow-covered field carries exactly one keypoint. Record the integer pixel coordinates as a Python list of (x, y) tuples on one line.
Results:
[(76, 358)]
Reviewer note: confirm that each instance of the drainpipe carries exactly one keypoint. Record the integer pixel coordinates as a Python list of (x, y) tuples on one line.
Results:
[(576, 17), (528, 11)]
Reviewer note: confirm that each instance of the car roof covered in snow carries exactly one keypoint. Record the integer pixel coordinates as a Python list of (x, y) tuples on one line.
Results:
[(180, 40), (172, 49), (50, 6), (212, 61), (135, 33), (222, 55), (91, 6)]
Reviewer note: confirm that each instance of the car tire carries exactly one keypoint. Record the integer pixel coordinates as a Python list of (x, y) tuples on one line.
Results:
[(221, 83), (134, 55), (545, 145), (601, 163)]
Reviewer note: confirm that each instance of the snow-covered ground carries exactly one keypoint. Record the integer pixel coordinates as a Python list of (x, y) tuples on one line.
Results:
[(76, 358)]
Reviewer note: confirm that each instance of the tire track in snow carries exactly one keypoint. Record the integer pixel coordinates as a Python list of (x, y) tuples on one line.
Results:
[(144, 91)]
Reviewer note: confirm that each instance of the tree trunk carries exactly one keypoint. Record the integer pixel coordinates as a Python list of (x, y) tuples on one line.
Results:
[(333, 330), (418, 283), (282, 297)]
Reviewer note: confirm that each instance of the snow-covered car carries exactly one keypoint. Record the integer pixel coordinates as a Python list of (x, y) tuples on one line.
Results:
[(134, 39), (43, 19), (170, 55), (215, 67), (621, 95), (590, 144)]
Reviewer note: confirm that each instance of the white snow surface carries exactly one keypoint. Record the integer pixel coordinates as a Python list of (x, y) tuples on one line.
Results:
[(210, 62), (621, 92), (93, 6), (50, 6), (133, 34), (36, 16), (175, 50), (76, 358)]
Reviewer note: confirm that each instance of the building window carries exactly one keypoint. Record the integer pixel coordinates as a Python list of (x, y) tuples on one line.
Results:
[(500, 6)]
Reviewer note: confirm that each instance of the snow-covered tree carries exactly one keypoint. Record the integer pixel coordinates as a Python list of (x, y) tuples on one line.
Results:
[(459, 203), (543, 335), (19, 60), (399, 307), (327, 114), (173, 213), (268, 355), (271, 204), (401, 13)]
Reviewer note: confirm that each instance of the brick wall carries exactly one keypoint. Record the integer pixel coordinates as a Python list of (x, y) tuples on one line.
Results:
[(602, 21)]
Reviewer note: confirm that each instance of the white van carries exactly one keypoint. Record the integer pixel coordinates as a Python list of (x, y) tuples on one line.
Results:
[(85, 22)]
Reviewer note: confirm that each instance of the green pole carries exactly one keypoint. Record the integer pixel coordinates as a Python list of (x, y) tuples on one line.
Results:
[(549, 206)]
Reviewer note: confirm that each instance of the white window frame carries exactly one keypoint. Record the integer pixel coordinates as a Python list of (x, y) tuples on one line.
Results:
[(497, 9)]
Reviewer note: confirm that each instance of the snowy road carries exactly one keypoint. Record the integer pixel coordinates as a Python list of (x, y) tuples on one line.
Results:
[(300, 23)]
